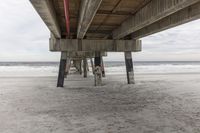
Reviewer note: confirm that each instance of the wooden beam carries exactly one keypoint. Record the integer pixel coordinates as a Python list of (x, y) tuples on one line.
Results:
[(46, 11), (95, 45), (183, 16), (152, 12), (88, 10)]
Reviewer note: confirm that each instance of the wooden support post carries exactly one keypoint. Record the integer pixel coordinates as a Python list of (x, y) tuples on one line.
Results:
[(85, 67), (129, 67), (97, 70), (102, 67), (62, 67), (92, 65)]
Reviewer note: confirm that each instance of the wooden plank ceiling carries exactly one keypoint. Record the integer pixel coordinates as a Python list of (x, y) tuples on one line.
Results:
[(110, 15)]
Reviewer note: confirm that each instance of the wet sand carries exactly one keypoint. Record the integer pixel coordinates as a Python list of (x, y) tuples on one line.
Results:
[(167, 103)]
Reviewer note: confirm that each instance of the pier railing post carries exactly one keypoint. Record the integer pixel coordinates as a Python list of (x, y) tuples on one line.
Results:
[(97, 70), (129, 67), (62, 67), (85, 67)]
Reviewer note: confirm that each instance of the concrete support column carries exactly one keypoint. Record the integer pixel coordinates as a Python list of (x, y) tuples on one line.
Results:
[(68, 65), (85, 67), (129, 67), (102, 67), (62, 67), (92, 65), (97, 70), (80, 67)]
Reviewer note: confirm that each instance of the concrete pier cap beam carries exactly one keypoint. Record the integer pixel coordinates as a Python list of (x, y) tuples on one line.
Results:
[(86, 45), (82, 55)]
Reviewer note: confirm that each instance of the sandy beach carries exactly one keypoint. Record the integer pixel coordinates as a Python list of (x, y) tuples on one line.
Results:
[(152, 43), (157, 103)]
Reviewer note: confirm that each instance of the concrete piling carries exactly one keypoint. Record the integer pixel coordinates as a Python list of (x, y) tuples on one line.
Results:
[(92, 65), (102, 67), (97, 70), (68, 65), (85, 68), (62, 67), (129, 67)]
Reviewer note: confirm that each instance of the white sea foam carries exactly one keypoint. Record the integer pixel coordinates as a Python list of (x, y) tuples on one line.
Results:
[(28, 71), (52, 70), (150, 69)]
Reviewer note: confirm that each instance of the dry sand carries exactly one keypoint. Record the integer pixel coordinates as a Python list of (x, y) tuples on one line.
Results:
[(155, 104)]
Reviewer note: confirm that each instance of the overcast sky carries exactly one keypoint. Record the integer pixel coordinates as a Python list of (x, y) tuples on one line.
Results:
[(24, 37)]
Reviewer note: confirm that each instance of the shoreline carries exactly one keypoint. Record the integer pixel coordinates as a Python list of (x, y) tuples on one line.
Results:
[(90, 74)]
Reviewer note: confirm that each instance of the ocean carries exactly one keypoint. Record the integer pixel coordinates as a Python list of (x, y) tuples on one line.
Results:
[(111, 67)]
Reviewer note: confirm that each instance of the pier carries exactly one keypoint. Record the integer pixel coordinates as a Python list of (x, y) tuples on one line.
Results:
[(83, 30)]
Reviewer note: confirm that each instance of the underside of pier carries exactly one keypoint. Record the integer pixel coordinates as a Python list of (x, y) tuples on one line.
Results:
[(88, 29)]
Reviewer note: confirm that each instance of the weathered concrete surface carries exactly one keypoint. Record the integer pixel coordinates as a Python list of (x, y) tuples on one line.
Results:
[(183, 16), (46, 11), (95, 45), (129, 67), (80, 55), (62, 68), (152, 12), (157, 103), (88, 10), (85, 71), (97, 69)]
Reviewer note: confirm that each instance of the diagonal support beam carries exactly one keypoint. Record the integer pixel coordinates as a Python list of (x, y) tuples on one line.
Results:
[(88, 10), (183, 16), (152, 12), (47, 13)]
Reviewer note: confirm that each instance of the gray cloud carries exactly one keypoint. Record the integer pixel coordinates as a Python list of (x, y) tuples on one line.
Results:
[(179, 43), (24, 37)]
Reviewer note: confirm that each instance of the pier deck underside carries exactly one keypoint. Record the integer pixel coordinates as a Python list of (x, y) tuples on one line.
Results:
[(100, 26)]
